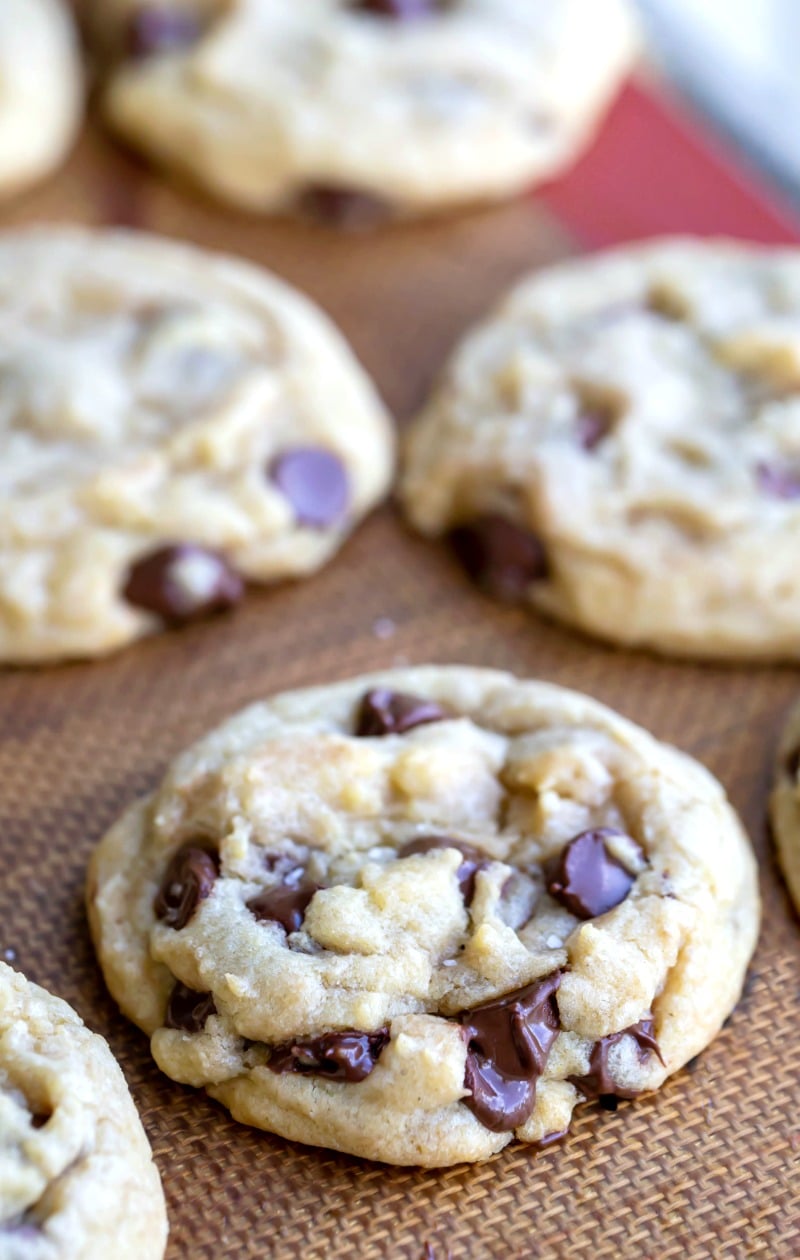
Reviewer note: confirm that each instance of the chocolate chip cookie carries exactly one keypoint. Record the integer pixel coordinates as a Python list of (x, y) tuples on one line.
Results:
[(76, 1173), (413, 915), (619, 445), (355, 110), (42, 89), (172, 425)]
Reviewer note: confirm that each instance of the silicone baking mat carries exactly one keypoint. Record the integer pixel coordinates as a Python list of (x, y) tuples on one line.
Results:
[(706, 1168)]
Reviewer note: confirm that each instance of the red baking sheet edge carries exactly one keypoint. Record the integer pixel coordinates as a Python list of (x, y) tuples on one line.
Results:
[(655, 170)]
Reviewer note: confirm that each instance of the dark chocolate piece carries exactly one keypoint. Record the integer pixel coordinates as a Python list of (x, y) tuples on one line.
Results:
[(188, 1010), (384, 712), (153, 583), (508, 1043), (155, 30), (598, 1082), (502, 558), (349, 209), (399, 10), (188, 880), (473, 862), (587, 879), (778, 481), (593, 427), (792, 762), (316, 484), (286, 903), (342, 1056)]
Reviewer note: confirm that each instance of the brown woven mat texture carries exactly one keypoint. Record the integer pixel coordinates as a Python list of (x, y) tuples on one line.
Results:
[(707, 1168)]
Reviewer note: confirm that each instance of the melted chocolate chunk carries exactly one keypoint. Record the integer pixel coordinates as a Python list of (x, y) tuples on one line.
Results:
[(316, 484), (508, 1042), (473, 862), (286, 903), (188, 1010), (550, 1139), (598, 1082), (593, 426), (345, 208), (778, 481), (162, 583), (384, 712), (188, 880), (40, 1118), (588, 880), (155, 30), (342, 1056), (399, 10), (792, 763), (502, 558)]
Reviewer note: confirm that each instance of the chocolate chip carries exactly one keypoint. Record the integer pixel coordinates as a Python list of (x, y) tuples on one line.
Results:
[(473, 862), (155, 30), (384, 712), (183, 582), (550, 1139), (508, 1043), (598, 1082), (399, 10), (777, 481), (345, 208), (593, 427), (188, 880), (343, 1056), (316, 484), (792, 762), (40, 1118), (286, 903), (588, 880), (502, 558), (188, 1010)]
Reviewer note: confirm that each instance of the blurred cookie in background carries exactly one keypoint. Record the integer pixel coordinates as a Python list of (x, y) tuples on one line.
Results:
[(173, 425), (355, 111), (619, 446), (41, 100)]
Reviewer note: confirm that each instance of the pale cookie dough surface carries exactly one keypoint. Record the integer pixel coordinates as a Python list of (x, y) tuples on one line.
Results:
[(784, 804), (637, 416), (163, 405), (288, 920), (40, 90), (77, 1179), (261, 101)]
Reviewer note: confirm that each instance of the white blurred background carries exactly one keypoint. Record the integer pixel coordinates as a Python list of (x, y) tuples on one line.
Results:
[(739, 60)]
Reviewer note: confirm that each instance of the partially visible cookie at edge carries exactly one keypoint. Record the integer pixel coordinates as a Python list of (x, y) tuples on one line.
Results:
[(77, 1179), (173, 425), (42, 90), (619, 445), (355, 111), (416, 914), (784, 804)]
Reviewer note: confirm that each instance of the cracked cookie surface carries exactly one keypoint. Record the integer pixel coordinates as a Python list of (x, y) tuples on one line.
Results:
[(42, 89), (77, 1179), (415, 914), (619, 445), (353, 108), (173, 424)]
